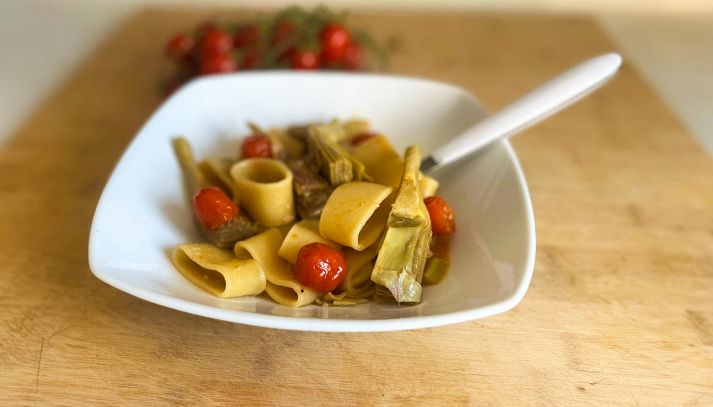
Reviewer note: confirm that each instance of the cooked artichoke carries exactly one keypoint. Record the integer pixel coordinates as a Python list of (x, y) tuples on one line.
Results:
[(224, 236), (405, 248), (335, 164)]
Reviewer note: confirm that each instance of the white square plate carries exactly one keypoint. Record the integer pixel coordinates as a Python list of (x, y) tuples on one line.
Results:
[(142, 214)]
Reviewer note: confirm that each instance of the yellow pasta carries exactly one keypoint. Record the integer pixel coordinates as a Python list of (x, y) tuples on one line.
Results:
[(355, 214), (265, 189), (302, 233), (217, 271), (280, 286), (386, 166), (380, 160), (357, 283)]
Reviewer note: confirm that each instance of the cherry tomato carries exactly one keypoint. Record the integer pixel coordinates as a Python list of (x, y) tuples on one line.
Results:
[(215, 41), (335, 40), (257, 145), (307, 60), (362, 137), (251, 59), (206, 26), (280, 34), (443, 220), (213, 208), (217, 63), (179, 46), (247, 35), (320, 267), (352, 58), (281, 31)]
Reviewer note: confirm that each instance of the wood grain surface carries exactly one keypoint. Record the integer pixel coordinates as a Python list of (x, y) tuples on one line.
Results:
[(620, 310)]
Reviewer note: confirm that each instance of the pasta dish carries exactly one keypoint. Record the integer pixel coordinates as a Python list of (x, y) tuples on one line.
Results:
[(326, 213)]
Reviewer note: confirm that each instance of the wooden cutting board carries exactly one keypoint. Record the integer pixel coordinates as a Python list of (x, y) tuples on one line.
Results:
[(620, 310)]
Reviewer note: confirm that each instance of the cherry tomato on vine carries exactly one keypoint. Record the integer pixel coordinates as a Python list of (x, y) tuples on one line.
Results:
[(281, 31), (443, 220), (215, 41), (306, 60), (335, 40), (217, 63), (257, 145), (179, 46), (246, 36), (251, 59), (213, 208), (320, 267), (353, 56)]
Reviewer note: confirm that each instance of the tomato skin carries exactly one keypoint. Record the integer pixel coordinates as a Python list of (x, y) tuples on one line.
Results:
[(215, 41), (353, 57), (213, 208), (281, 31), (320, 267), (246, 36), (304, 60), (443, 220), (179, 46), (362, 137), (335, 40), (257, 145), (217, 63), (251, 59)]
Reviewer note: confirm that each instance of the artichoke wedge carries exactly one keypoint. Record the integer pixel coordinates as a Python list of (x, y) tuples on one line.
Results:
[(405, 248), (335, 164)]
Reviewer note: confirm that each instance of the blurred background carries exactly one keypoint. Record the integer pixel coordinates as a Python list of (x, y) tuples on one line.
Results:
[(669, 41)]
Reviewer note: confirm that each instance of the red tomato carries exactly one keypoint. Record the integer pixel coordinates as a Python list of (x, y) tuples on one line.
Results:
[(179, 46), (215, 41), (320, 267), (306, 60), (334, 39), (206, 26), (352, 58), (362, 137), (251, 59), (217, 63), (257, 145), (443, 220), (247, 35), (281, 31), (213, 208)]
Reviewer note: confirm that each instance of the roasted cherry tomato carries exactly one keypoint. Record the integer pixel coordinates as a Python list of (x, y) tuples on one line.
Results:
[(443, 221), (213, 208), (353, 56), (246, 36), (335, 40), (257, 145), (216, 41), (362, 137), (306, 60), (217, 63), (320, 267), (179, 46)]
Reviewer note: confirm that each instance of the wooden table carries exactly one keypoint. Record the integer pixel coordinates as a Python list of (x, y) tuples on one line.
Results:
[(620, 310)]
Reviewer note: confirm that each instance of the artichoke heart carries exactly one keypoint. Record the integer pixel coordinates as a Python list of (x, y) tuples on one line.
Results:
[(335, 164), (403, 252)]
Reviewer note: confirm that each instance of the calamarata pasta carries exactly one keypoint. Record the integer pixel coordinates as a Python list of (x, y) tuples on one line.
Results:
[(325, 213)]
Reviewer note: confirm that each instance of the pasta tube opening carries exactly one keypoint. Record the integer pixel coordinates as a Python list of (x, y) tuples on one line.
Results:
[(217, 271), (265, 189)]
